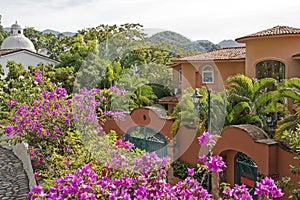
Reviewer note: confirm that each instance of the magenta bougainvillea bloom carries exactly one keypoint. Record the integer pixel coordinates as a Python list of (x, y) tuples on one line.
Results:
[(8, 130), (38, 76), (267, 187), (206, 139), (191, 171), (238, 192), (213, 163)]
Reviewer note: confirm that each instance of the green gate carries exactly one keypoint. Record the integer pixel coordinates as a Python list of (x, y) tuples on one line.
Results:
[(246, 172), (147, 139)]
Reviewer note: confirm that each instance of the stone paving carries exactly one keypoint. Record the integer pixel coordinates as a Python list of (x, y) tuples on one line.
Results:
[(13, 179)]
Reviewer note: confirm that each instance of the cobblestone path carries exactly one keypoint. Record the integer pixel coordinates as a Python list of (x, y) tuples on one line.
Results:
[(13, 179)]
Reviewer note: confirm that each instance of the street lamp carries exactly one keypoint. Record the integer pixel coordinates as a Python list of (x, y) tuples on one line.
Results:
[(196, 98)]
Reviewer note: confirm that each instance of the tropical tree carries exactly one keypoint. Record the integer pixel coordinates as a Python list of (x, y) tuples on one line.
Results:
[(249, 100), (196, 116), (137, 92), (186, 114), (290, 89), (3, 34)]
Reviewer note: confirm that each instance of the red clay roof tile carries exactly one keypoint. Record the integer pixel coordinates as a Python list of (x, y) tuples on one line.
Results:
[(168, 99), (234, 53), (277, 30)]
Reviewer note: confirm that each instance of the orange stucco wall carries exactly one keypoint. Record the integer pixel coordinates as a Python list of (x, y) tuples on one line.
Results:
[(273, 48), (272, 160), (141, 117), (192, 73)]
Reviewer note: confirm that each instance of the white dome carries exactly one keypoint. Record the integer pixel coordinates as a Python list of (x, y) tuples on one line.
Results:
[(17, 40)]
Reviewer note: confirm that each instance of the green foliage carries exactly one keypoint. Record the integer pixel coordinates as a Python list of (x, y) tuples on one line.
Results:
[(15, 70), (180, 170), (78, 51), (160, 91), (185, 113), (291, 90), (3, 34), (249, 100), (292, 139)]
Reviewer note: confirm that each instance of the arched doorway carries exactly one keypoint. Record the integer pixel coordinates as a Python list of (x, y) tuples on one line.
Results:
[(245, 172), (148, 139)]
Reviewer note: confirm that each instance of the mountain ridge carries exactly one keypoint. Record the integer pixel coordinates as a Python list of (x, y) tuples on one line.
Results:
[(161, 35)]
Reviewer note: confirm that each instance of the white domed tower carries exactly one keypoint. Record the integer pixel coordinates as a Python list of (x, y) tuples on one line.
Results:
[(17, 40)]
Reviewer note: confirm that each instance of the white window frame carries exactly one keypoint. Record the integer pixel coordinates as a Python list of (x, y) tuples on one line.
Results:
[(207, 69)]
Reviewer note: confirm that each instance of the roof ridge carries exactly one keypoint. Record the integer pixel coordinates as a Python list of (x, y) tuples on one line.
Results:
[(274, 31), (224, 48)]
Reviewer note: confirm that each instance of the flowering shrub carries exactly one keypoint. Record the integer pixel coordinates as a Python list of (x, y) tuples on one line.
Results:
[(146, 181), (237, 192), (54, 125), (267, 188), (86, 184)]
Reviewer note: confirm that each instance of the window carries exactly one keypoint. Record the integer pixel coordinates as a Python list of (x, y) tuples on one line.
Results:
[(180, 76), (207, 74), (270, 69)]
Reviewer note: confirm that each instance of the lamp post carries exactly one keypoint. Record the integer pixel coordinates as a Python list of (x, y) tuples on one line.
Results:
[(196, 98)]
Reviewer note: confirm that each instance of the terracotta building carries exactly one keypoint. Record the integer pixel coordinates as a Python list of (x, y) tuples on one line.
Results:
[(274, 52)]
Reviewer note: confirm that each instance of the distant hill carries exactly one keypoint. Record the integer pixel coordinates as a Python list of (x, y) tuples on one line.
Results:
[(151, 31), (160, 35), (56, 32), (47, 31), (68, 33), (182, 42), (7, 29), (230, 43)]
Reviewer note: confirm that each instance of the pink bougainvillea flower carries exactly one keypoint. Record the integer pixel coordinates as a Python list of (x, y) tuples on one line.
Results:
[(268, 188), (8, 130), (206, 139)]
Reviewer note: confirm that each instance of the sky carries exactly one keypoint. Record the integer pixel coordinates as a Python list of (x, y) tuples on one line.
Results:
[(213, 20)]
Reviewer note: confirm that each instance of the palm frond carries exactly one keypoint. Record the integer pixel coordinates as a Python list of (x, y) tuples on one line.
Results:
[(262, 84), (237, 111), (240, 84), (291, 93), (270, 99), (287, 124), (251, 119), (293, 82)]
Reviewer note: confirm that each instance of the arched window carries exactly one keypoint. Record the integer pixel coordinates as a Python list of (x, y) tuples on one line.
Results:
[(270, 69), (208, 74)]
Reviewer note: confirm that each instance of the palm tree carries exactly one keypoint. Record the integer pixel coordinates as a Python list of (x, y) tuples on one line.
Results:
[(290, 89), (138, 93), (249, 100)]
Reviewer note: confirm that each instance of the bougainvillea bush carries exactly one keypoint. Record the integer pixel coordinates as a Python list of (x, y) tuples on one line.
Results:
[(145, 182), (53, 124)]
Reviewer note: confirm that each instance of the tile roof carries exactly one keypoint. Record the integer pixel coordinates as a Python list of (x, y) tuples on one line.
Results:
[(168, 99), (234, 53), (8, 51), (276, 30)]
